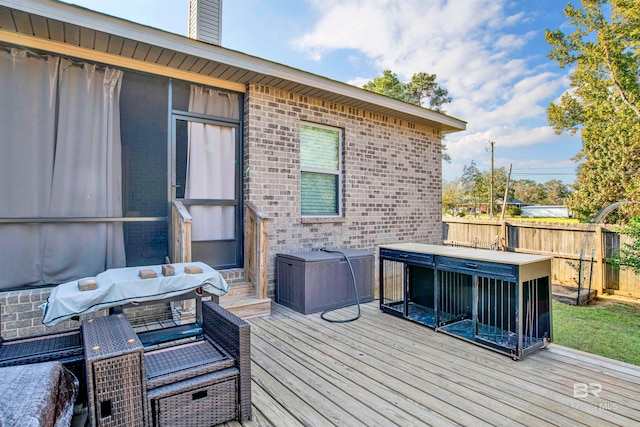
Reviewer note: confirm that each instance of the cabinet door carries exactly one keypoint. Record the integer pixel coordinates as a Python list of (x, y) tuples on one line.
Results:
[(455, 296), (392, 286)]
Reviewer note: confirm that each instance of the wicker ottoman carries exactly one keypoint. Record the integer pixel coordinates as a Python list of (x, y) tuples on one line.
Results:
[(65, 347), (116, 382), (202, 401), (193, 384)]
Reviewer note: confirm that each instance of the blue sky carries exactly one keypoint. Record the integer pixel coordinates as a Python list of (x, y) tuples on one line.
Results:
[(489, 54)]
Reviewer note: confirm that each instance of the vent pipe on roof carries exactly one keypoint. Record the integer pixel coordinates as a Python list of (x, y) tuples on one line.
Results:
[(205, 20)]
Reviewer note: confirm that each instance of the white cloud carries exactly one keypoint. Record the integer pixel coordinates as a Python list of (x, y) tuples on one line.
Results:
[(470, 145), (360, 81), (474, 47), (461, 41)]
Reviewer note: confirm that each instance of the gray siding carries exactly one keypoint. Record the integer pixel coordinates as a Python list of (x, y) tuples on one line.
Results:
[(205, 20)]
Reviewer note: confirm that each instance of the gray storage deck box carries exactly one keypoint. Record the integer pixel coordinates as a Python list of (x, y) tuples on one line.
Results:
[(309, 282)]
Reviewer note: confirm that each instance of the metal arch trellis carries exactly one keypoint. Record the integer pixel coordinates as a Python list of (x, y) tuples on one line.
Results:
[(585, 269)]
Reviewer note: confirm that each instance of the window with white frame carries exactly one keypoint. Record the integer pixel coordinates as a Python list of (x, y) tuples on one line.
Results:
[(320, 170)]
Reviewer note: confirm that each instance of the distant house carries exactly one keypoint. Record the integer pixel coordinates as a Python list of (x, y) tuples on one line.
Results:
[(510, 202), (545, 212), (105, 123)]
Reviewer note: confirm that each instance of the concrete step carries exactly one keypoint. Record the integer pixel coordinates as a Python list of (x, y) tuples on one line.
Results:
[(248, 307), (239, 290)]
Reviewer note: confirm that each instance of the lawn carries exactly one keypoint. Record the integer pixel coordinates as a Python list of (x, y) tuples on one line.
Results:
[(607, 328)]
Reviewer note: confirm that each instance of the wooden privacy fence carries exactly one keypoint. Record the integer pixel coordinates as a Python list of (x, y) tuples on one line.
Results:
[(564, 242)]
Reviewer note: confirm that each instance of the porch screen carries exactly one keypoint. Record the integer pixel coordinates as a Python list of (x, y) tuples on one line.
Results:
[(211, 165), (60, 142)]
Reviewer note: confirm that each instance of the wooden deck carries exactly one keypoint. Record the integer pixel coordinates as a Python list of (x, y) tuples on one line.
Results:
[(382, 370)]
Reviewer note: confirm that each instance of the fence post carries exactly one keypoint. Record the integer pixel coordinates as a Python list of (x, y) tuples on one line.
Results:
[(600, 259), (505, 235)]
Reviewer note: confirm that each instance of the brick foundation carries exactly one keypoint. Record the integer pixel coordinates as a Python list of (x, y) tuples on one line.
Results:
[(21, 317)]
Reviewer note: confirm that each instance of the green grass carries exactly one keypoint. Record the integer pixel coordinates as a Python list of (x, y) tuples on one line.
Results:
[(610, 329)]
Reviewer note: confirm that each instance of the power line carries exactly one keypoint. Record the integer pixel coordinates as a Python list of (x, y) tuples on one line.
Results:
[(546, 169), (544, 173)]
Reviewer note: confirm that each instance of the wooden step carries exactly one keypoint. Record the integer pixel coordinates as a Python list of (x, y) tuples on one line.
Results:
[(247, 307), (239, 290)]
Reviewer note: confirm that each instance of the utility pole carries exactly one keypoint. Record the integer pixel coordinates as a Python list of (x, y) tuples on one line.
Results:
[(491, 201), (506, 192)]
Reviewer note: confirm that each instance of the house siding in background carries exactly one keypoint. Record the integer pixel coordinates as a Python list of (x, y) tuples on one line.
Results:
[(391, 175)]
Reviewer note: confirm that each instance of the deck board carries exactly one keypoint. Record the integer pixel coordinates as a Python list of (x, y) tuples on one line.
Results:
[(559, 376), (419, 378), (383, 370)]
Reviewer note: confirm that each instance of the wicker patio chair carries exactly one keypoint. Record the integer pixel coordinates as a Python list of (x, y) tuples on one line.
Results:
[(202, 382), (234, 335)]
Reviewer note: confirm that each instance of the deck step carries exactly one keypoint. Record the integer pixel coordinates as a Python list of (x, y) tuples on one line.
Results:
[(239, 290), (247, 307)]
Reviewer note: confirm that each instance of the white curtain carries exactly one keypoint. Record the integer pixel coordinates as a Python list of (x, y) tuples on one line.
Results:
[(87, 175), (211, 164), (27, 144), (77, 150)]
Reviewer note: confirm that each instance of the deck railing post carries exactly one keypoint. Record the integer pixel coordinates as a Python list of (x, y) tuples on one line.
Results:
[(256, 249), (181, 249), (181, 233)]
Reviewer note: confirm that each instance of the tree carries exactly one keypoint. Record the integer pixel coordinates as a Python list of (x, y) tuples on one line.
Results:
[(556, 192), (389, 85), (629, 254), (529, 191), (421, 90), (473, 183), (553, 192), (477, 183), (603, 53), (454, 199)]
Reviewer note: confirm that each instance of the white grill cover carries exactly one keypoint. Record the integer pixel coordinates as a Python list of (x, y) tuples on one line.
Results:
[(120, 286)]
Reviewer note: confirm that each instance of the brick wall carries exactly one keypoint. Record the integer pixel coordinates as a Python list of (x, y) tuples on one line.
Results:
[(21, 316), (391, 175)]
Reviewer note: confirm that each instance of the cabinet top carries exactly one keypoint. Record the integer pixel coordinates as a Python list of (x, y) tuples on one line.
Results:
[(468, 253)]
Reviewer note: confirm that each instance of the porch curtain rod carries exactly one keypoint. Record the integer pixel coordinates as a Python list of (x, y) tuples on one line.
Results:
[(78, 219), (29, 53)]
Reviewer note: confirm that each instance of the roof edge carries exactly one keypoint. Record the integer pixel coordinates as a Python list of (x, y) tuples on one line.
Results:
[(84, 17)]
